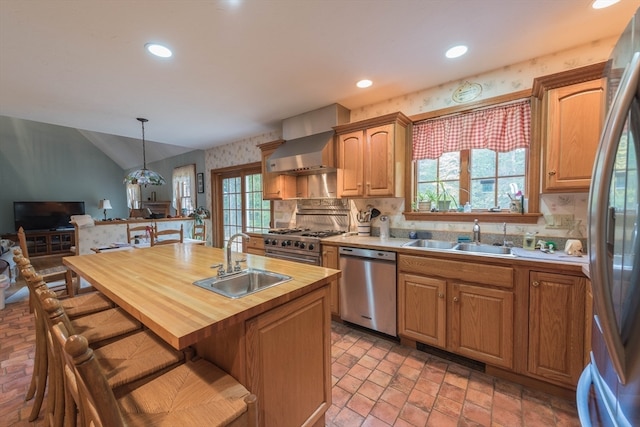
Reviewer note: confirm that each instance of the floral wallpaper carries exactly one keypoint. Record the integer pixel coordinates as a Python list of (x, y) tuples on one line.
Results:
[(501, 81)]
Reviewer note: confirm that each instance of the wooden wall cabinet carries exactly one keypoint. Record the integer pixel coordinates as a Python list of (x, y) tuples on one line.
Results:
[(274, 185), (371, 157), (556, 326), (463, 307), (571, 119), (330, 260)]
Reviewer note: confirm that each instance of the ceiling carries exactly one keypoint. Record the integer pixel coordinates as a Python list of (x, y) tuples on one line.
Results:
[(241, 66)]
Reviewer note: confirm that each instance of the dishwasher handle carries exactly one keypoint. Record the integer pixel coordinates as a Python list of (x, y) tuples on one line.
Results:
[(367, 253)]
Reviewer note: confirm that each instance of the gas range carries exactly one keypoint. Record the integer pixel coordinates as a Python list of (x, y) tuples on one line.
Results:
[(315, 220), (296, 244)]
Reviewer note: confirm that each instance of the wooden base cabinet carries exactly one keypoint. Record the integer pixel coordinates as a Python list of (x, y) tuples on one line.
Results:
[(481, 322), (255, 245), (422, 310), (556, 326), (458, 306), (283, 356), (330, 260)]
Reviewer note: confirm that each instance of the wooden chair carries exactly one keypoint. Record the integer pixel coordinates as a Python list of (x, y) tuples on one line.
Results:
[(78, 306), (175, 236), (135, 232), (194, 393), (94, 313), (200, 231), (53, 276), (131, 359)]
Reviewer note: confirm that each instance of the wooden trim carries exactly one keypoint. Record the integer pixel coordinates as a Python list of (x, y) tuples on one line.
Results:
[(228, 169), (565, 78), (534, 159), (471, 106), (398, 118), (513, 218)]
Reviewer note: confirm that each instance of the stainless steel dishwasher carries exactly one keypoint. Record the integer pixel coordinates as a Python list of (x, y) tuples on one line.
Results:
[(368, 288)]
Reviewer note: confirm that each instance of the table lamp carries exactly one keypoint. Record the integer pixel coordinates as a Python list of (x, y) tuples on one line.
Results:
[(104, 205)]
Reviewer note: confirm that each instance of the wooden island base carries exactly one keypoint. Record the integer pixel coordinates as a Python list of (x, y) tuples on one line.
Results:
[(282, 356)]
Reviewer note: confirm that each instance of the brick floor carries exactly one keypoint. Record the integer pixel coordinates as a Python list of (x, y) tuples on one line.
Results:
[(376, 382)]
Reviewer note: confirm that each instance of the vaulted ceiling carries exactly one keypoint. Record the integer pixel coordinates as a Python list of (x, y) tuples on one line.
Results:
[(241, 66)]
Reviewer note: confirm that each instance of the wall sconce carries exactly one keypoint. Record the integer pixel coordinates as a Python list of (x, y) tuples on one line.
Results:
[(104, 205)]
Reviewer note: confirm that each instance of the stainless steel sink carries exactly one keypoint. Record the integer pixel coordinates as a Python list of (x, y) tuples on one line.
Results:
[(431, 244), (246, 282), (486, 249)]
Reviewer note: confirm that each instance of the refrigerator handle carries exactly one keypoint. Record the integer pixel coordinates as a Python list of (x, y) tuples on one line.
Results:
[(601, 219)]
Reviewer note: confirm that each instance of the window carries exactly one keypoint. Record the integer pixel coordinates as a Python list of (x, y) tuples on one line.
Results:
[(184, 189), (241, 208), (478, 157)]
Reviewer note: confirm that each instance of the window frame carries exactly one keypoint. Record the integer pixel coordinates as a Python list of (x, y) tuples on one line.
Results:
[(532, 169), (217, 177)]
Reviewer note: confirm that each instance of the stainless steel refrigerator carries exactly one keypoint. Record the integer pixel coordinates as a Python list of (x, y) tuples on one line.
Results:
[(608, 392)]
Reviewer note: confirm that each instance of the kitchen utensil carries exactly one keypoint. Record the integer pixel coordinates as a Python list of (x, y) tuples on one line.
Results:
[(375, 213)]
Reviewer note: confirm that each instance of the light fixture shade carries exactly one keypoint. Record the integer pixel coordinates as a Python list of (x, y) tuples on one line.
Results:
[(144, 176), (104, 204)]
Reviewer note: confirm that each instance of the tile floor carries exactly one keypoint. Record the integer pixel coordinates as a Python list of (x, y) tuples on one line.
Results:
[(376, 382)]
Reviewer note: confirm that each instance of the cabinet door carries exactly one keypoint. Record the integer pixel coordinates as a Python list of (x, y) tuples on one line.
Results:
[(291, 347), (255, 246), (330, 260), (481, 323), (350, 161), (556, 326), (422, 309), (575, 114), (274, 185), (379, 161)]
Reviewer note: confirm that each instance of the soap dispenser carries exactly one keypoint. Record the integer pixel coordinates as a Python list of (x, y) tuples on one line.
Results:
[(384, 227)]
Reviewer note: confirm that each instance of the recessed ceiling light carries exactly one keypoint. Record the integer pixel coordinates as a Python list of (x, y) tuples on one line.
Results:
[(364, 83), (456, 51), (601, 4), (158, 50)]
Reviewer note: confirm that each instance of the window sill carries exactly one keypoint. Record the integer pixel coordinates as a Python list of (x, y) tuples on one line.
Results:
[(528, 218)]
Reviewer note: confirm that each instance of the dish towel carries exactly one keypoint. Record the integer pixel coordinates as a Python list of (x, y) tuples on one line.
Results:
[(82, 221)]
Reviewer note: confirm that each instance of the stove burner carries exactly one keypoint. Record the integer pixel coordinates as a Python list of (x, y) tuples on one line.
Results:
[(322, 234), (286, 230)]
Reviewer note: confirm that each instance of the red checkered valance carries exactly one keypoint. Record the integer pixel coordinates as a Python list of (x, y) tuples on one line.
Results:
[(503, 128)]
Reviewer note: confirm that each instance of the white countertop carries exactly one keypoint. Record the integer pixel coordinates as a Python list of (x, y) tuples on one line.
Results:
[(396, 243)]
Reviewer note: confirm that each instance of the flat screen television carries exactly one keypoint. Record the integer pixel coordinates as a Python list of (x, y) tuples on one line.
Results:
[(45, 215)]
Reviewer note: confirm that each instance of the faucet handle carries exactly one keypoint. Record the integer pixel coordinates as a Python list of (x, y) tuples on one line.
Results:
[(220, 268), (238, 261)]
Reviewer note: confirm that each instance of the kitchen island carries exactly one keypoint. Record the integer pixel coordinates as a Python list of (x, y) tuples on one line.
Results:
[(276, 342)]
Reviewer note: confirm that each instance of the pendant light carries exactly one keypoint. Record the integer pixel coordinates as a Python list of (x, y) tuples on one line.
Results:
[(144, 176)]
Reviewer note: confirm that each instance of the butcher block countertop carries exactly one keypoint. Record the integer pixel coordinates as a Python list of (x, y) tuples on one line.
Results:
[(155, 285)]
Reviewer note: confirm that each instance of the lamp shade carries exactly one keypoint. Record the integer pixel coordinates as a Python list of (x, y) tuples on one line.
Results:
[(144, 176), (104, 204)]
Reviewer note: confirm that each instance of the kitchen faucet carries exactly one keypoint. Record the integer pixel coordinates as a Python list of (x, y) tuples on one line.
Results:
[(476, 232), (505, 242), (229, 268)]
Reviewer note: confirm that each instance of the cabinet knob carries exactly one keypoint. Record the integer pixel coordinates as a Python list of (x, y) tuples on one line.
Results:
[(552, 173), (535, 283), (441, 295), (455, 299)]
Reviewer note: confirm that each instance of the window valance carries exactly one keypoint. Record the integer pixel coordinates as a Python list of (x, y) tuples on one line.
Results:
[(502, 128)]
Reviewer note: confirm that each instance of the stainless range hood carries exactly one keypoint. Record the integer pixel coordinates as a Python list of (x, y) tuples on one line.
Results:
[(309, 146)]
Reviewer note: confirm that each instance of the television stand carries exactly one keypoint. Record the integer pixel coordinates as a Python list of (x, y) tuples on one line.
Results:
[(45, 242)]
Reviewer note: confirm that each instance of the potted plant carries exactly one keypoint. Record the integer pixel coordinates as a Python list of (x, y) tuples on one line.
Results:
[(425, 200), (200, 214), (445, 199)]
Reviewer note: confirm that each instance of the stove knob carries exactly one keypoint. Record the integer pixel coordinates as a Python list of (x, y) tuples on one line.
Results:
[(267, 241), (301, 245), (296, 244), (274, 242), (311, 246), (284, 243)]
